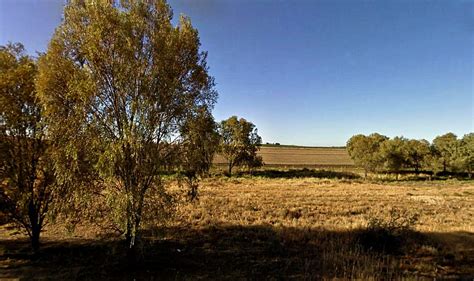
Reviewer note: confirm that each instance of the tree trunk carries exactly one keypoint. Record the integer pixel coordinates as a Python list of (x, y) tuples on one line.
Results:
[(130, 237), (131, 234), (128, 233), (35, 226), (131, 252), (35, 238), (230, 169), (134, 217)]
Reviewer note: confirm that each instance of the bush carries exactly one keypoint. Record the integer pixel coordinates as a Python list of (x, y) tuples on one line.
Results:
[(388, 234)]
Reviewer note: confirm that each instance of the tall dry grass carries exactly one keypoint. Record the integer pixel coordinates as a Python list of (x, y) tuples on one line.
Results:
[(263, 228)]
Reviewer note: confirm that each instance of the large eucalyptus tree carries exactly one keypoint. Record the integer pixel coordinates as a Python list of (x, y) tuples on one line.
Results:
[(118, 82), (27, 181)]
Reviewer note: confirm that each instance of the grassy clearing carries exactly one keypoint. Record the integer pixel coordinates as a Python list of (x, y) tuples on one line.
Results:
[(270, 228)]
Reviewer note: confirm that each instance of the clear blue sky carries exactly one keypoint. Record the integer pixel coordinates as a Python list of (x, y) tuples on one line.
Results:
[(318, 72)]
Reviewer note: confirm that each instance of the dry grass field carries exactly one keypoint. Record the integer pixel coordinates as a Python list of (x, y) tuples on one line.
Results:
[(294, 156), (257, 228)]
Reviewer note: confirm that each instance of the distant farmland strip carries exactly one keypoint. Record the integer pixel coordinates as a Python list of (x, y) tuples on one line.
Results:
[(301, 156)]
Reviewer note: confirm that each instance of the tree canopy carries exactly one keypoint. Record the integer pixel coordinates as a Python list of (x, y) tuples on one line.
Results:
[(394, 153), (200, 143), (465, 156), (364, 150), (118, 82), (239, 142), (447, 153), (417, 153), (445, 147), (27, 177)]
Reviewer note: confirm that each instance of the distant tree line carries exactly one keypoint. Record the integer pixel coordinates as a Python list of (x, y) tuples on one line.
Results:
[(446, 153)]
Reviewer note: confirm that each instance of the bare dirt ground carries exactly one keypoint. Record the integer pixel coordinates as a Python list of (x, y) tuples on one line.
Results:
[(254, 228)]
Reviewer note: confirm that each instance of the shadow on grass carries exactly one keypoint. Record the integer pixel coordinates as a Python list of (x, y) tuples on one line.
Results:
[(301, 173), (239, 252)]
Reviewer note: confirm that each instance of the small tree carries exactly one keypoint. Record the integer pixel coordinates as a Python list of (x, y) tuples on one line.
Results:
[(365, 151), (466, 154), (239, 142), (445, 148), (394, 152), (253, 162), (121, 78), (27, 178), (200, 143), (418, 152)]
